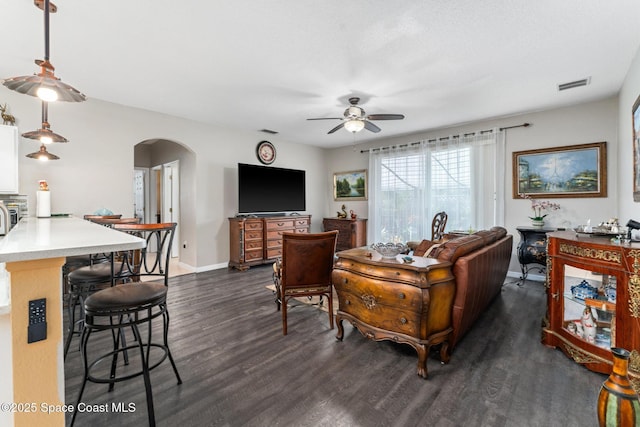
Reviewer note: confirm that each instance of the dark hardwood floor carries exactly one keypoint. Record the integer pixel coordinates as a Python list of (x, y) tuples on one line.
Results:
[(239, 370)]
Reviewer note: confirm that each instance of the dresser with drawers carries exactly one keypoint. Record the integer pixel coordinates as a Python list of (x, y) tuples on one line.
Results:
[(352, 233), (258, 240)]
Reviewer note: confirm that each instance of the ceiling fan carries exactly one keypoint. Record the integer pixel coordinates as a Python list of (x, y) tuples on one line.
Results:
[(355, 119)]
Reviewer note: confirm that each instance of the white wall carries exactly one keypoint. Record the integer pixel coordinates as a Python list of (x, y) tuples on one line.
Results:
[(96, 166), (579, 124), (629, 92)]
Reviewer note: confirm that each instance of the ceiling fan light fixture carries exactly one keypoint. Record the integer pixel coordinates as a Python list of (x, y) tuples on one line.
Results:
[(354, 125), (43, 155), (354, 111)]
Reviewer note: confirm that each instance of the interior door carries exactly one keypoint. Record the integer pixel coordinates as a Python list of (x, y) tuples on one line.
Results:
[(140, 194), (171, 200)]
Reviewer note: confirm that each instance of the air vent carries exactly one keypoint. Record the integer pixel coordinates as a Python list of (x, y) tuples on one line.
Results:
[(272, 132), (577, 83)]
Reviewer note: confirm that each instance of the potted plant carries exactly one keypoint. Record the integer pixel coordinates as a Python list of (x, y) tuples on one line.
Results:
[(538, 207)]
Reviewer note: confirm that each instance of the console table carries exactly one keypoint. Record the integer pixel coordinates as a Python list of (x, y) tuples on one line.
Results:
[(532, 249), (388, 299)]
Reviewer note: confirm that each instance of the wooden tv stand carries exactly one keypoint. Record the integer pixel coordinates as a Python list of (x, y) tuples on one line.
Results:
[(258, 240), (387, 299)]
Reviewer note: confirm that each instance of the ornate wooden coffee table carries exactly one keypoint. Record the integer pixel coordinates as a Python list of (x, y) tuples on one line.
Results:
[(389, 299)]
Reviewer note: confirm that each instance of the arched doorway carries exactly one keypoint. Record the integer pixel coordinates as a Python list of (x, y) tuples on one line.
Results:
[(164, 176)]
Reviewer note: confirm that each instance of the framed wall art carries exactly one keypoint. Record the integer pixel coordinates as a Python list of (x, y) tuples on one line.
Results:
[(569, 171), (350, 185), (635, 121)]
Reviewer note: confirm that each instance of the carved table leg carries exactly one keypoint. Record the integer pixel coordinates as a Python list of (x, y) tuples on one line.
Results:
[(444, 353), (340, 333), (423, 351)]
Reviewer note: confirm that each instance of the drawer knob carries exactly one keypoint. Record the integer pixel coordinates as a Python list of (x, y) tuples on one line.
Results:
[(403, 320), (345, 280), (401, 295), (347, 302)]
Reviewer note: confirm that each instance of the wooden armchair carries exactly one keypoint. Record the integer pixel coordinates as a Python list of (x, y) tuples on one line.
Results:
[(305, 269)]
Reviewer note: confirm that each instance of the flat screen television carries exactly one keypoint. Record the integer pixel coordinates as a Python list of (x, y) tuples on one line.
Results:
[(265, 189)]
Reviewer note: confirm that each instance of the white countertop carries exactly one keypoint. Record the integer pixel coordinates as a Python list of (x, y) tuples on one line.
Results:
[(38, 238)]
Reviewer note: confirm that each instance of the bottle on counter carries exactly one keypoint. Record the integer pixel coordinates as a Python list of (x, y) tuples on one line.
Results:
[(43, 200)]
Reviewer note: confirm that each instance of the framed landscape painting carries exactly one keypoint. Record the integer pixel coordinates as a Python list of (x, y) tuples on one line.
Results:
[(635, 120), (350, 185), (569, 171)]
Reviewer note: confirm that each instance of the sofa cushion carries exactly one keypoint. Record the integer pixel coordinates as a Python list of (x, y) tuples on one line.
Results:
[(422, 247), (500, 231), (454, 249), (488, 236)]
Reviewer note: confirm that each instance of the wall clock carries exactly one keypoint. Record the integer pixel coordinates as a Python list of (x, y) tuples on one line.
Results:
[(266, 152)]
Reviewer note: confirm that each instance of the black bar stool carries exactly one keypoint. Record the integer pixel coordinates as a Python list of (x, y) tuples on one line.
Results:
[(102, 270), (131, 306)]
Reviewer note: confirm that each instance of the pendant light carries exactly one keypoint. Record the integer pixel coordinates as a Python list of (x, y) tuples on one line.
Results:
[(42, 154), (45, 134), (45, 84)]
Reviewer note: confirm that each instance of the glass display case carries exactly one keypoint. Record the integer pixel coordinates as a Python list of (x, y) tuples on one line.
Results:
[(589, 306), (593, 300)]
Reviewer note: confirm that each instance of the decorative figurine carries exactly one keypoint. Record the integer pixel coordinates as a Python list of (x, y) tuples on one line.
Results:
[(43, 185), (343, 214), (353, 214), (7, 119), (589, 325)]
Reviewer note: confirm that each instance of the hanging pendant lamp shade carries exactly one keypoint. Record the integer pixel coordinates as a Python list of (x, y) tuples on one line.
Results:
[(42, 154), (45, 84), (45, 134)]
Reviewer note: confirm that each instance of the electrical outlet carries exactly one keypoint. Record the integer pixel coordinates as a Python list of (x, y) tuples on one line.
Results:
[(37, 320)]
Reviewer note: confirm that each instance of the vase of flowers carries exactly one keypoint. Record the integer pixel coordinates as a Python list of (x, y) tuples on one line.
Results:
[(539, 207)]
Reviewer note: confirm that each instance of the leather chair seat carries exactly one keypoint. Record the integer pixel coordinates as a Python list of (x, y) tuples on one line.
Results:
[(94, 273), (123, 297), (77, 261)]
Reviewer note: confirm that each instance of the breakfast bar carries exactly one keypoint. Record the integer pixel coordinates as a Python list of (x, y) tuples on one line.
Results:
[(32, 390)]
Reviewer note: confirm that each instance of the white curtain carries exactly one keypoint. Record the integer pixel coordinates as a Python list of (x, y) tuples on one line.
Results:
[(461, 175)]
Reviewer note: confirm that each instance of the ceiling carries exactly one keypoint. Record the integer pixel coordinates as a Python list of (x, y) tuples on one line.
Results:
[(260, 64)]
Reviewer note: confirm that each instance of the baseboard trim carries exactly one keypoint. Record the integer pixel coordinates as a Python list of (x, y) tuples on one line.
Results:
[(211, 267)]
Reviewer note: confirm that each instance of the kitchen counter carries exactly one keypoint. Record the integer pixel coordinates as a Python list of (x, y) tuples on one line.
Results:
[(40, 238), (34, 252)]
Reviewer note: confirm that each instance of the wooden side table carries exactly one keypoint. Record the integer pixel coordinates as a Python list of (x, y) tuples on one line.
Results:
[(532, 249)]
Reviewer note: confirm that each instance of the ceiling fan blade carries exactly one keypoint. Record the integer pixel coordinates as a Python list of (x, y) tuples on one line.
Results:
[(340, 126), (327, 118), (385, 117), (370, 126)]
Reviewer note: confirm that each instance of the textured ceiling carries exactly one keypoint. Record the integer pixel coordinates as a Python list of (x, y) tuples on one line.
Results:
[(260, 64)]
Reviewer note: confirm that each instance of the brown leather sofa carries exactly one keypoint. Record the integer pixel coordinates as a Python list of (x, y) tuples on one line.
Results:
[(480, 264)]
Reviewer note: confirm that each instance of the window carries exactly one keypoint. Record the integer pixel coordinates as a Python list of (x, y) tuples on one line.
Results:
[(409, 185)]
